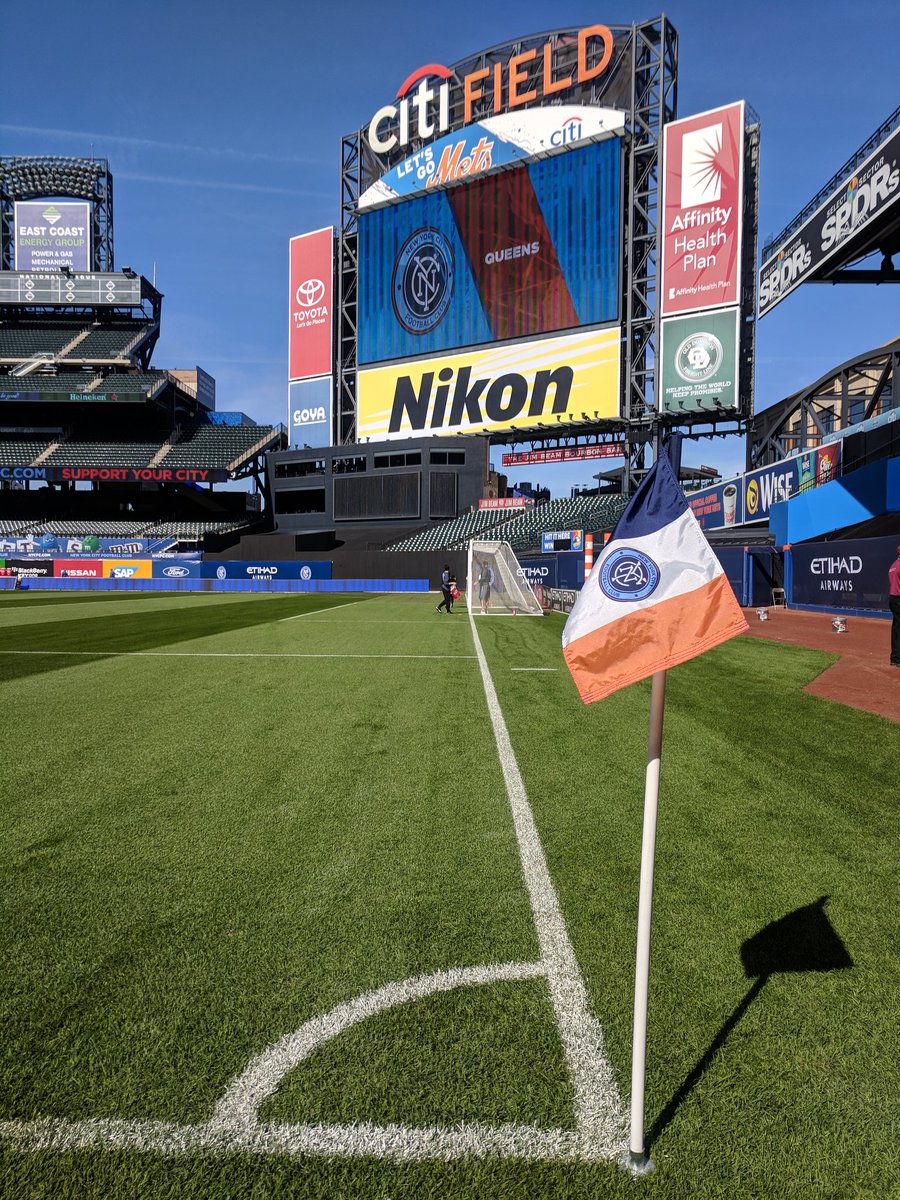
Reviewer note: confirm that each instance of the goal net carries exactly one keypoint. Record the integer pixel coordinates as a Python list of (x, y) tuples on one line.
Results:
[(496, 586)]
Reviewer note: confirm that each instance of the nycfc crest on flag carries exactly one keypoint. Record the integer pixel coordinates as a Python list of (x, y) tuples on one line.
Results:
[(657, 595)]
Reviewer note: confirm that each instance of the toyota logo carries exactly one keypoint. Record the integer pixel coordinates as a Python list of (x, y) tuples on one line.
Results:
[(310, 292)]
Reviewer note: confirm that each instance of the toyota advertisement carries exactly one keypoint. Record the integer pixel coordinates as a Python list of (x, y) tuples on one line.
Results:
[(523, 252), (703, 162), (311, 271)]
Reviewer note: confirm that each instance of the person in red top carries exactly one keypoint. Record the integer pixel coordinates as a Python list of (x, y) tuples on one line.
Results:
[(894, 598)]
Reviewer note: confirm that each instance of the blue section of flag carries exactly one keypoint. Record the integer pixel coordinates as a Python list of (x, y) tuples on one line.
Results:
[(656, 503)]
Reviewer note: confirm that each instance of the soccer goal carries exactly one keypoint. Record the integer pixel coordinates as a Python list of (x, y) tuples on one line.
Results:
[(496, 586)]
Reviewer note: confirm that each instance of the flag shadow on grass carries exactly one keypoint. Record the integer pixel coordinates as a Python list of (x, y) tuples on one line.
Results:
[(804, 940)]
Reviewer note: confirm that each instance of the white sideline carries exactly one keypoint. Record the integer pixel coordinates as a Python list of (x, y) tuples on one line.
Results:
[(554, 669), (599, 1110), (211, 654), (315, 611)]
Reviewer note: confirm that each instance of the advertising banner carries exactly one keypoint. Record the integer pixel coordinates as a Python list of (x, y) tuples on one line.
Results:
[(265, 570), (838, 222), (749, 498), (311, 281), (118, 474), (550, 542), (52, 234), (21, 396), (539, 571), (851, 574), (770, 485), (700, 362), (508, 502), (703, 187), (522, 252), (78, 568), (90, 546), (309, 412), (554, 381), (528, 458), (175, 571), (490, 143), (123, 569), (28, 568), (718, 506)]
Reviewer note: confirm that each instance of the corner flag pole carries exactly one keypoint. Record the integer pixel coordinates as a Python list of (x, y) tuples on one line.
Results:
[(638, 1161)]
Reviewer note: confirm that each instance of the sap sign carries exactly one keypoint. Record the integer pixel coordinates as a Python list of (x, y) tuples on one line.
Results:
[(265, 570), (309, 412)]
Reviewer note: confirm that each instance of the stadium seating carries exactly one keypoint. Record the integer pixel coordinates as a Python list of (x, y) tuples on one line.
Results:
[(80, 529), (523, 530), (218, 446), (102, 454), (19, 342), (67, 381), (105, 344), (191, 531), (20, 452)]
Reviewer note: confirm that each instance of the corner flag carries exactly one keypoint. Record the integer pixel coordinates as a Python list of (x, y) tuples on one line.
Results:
[(657, 595)]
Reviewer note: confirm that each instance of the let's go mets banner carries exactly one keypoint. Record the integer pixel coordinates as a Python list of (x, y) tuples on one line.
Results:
[(554, 381)]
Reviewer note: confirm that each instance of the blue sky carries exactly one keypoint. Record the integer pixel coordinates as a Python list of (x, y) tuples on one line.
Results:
[(222, 125)]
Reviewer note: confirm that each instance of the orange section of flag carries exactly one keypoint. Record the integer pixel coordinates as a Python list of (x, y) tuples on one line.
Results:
[(654, 639)]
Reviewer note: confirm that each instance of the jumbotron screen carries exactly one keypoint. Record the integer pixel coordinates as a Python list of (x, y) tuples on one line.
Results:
[(526, 251)]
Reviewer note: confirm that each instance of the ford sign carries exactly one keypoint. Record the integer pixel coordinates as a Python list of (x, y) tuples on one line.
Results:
[(175, 572)]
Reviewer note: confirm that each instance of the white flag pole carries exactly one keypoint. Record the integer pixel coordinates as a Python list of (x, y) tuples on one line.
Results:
[(638, 1161)]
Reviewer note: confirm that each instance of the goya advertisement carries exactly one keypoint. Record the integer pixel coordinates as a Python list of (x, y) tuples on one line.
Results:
[(519, 385), (527, 251)]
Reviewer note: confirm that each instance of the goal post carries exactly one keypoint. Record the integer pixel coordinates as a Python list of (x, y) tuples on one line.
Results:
[(495, 583)]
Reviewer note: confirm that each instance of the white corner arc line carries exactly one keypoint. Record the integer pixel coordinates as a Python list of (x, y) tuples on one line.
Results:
[(240, 1104), (599, 1110)]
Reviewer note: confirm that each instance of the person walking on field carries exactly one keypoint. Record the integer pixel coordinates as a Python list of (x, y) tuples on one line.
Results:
[(485, 579), (447, 601), (894, 600)]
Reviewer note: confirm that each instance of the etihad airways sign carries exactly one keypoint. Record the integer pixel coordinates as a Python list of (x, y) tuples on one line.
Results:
[(549, 382), (427, 97)]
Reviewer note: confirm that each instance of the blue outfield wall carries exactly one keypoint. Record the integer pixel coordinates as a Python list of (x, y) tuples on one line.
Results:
[(842, 576), (227, 585), (869, 492)]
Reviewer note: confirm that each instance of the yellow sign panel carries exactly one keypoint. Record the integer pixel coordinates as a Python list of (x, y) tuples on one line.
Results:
[(554, 381)]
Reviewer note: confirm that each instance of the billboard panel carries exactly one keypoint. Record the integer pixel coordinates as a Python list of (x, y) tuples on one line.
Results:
[(562, 540), (521, 252), (699, 356), (311, 275), (135, 569), (521, 385), (845, 574), (52, 234), (703, 167), (309, 412), (860, 199), (527, 458), (96, 287), (490, 143)]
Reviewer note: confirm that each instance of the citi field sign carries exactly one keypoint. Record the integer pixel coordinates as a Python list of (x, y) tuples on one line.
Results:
[(428, 97)]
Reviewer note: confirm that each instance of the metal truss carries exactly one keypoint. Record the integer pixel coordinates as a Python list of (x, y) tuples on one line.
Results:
[(860, 388), (47, 178)]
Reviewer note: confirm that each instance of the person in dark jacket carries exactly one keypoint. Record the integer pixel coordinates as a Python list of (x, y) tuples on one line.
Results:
[(447, 602)]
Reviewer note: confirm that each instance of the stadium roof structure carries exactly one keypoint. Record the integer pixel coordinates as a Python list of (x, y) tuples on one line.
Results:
[(855, 214)]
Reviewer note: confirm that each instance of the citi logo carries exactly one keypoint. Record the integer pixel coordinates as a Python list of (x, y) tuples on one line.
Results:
[(308, 416), (310, 292), (569, 131)]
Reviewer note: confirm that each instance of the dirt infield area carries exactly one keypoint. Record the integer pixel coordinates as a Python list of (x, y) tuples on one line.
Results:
[(862, 677)]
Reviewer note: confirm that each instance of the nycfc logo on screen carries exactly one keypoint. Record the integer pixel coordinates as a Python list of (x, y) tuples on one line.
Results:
[(628, 575), (422, 286), (698, 357)]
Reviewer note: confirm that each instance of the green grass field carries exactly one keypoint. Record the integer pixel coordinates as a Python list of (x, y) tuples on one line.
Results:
[(220, 825)]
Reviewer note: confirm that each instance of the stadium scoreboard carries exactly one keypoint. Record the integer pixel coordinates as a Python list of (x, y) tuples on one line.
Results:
[(59, 288)]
